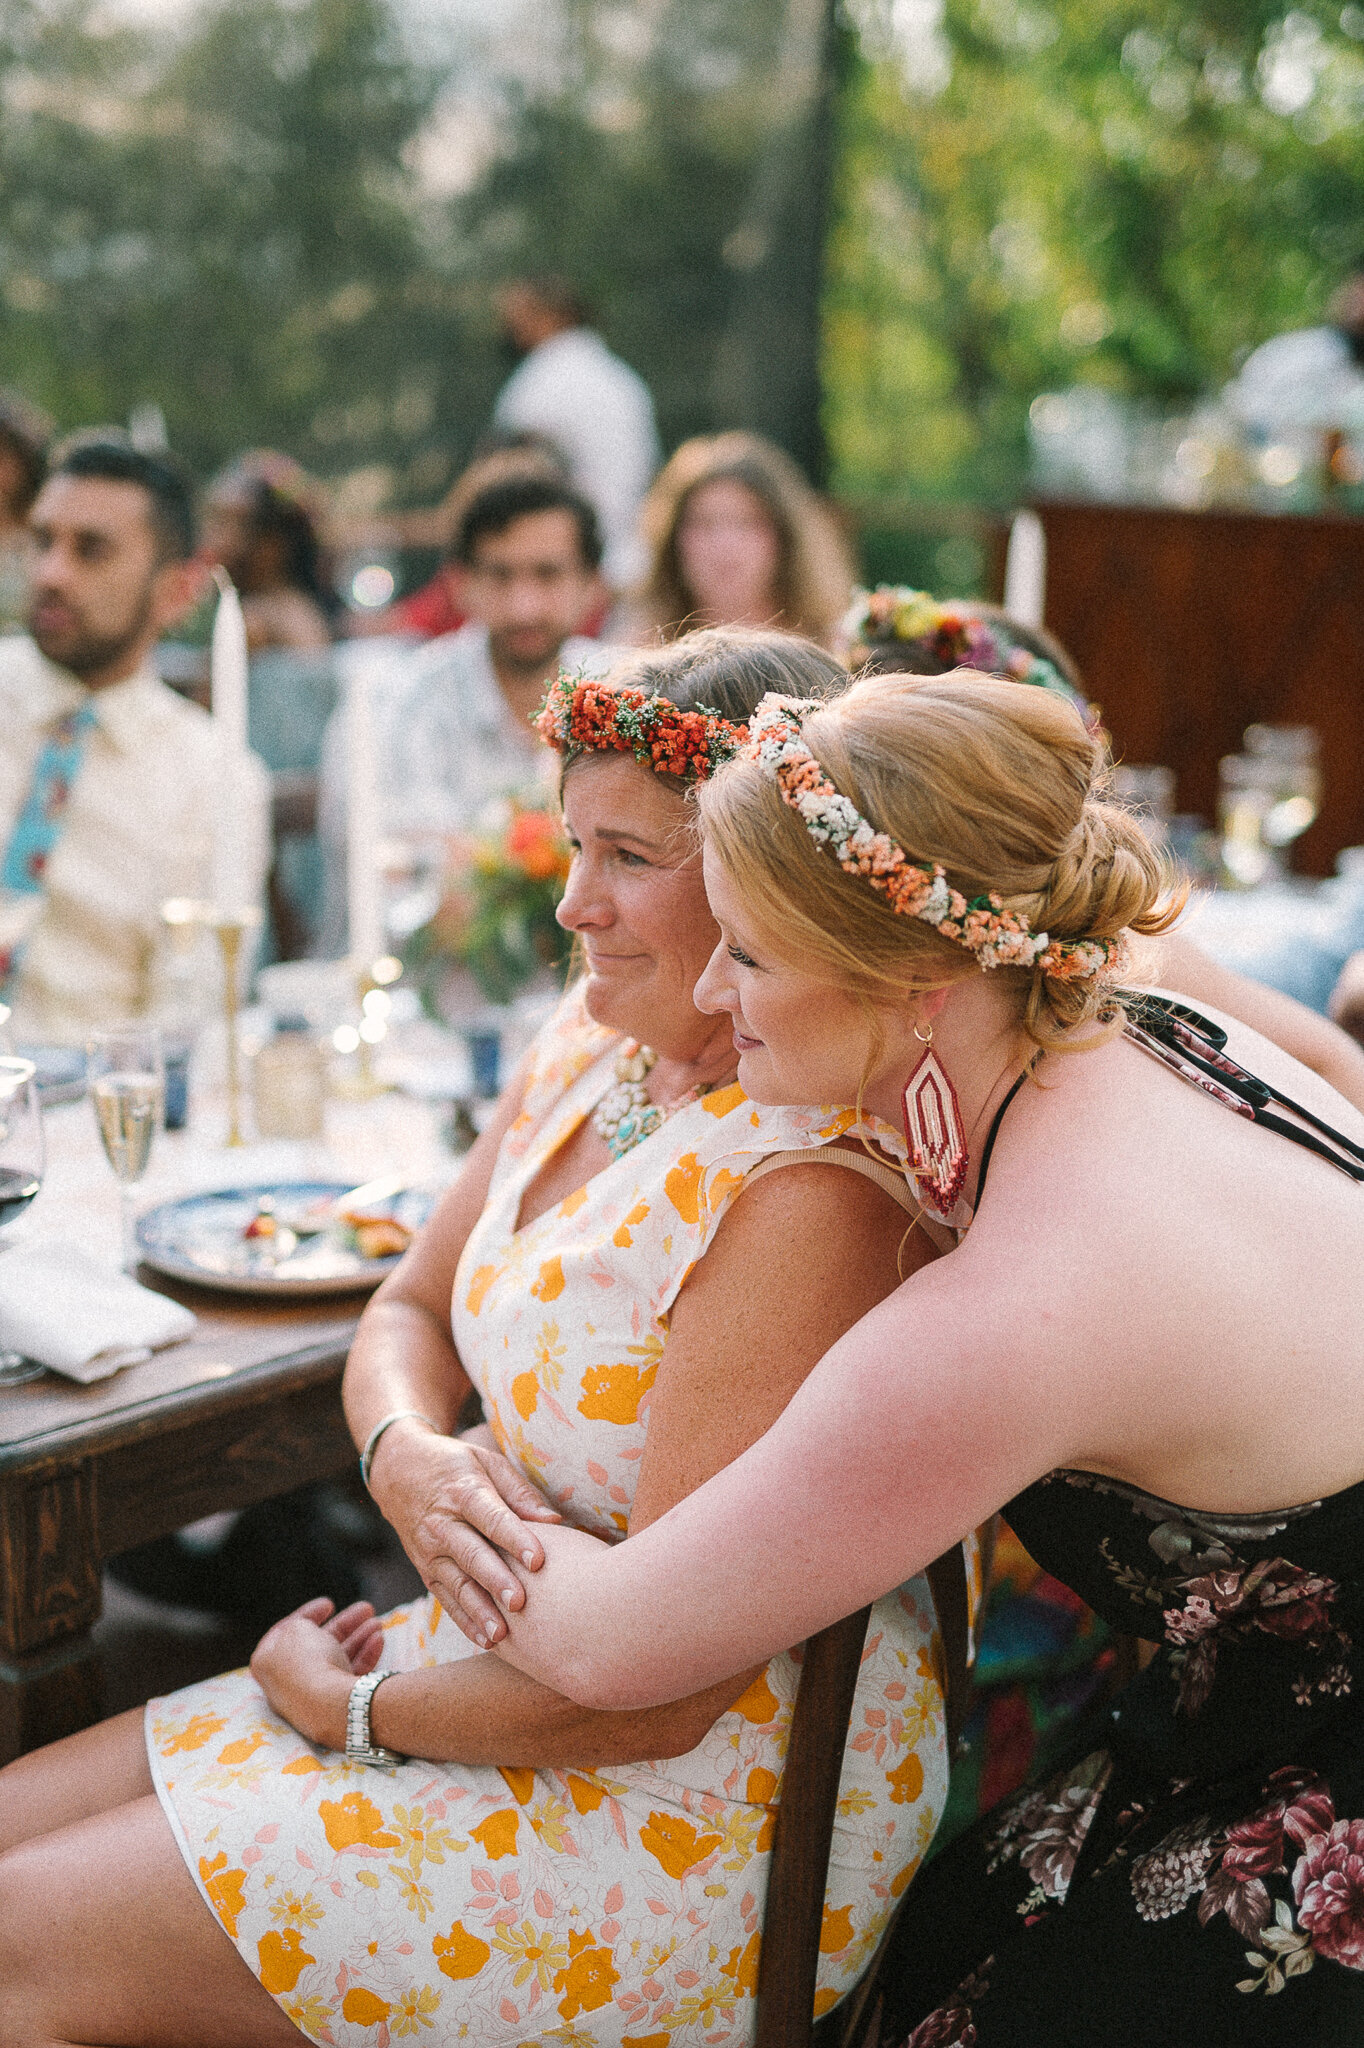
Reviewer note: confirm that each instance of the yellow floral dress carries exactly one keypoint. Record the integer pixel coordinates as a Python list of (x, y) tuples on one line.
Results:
[(623, 1906)]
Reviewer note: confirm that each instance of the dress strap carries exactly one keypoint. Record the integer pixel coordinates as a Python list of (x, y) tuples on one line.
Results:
[(993, 1133), (893, 1183), (1193, 1047)]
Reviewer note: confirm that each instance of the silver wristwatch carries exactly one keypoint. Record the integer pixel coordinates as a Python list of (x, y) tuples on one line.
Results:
[(360, 1749)]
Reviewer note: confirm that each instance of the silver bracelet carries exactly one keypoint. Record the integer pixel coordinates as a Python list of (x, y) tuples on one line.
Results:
[(360, 1745), (372, 1440)]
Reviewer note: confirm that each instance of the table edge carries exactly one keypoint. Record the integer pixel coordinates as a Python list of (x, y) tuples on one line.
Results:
[(286, 1372)]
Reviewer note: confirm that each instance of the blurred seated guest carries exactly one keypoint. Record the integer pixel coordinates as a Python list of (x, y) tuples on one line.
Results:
[(454, 720), (109, 782), (896, 629), (571, 389), (738, 538), (261, 522), (436, 607), (23, 443), (1312, 377)]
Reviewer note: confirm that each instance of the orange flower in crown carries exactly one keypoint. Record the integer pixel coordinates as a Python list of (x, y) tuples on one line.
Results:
[(581, 717)]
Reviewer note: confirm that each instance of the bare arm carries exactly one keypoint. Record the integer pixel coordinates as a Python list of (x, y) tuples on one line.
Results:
[(1318, 1043), (863, 1479), (825, 1242)]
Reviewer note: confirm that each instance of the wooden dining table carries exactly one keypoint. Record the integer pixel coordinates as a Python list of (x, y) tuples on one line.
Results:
[(247, 1408)]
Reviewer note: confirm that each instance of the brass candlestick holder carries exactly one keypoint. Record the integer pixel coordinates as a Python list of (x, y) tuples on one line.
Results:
[(183, 915), (230, 928)]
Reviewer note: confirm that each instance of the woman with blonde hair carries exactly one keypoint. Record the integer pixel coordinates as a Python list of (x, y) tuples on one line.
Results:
[(457, 1853), (738, 538), (1147, 1348)]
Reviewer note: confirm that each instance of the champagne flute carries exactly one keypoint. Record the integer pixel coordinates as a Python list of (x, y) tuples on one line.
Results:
[(21, 1176), (128, 1089)]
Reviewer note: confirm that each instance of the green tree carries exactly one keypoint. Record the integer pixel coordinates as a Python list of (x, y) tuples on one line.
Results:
[(1037, 192), (233, 222), (228, 228), (675, 164)]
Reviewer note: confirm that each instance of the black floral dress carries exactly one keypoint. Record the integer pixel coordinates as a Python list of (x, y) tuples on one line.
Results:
[(1193, 1875)]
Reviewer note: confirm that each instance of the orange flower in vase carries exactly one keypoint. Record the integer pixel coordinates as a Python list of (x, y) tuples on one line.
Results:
[(496, 914)]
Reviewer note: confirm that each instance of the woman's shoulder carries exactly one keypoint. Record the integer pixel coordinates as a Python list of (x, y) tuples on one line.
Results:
[(718, 1142)]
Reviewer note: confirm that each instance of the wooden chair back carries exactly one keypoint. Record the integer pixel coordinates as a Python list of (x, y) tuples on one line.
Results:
[(789, 1957)]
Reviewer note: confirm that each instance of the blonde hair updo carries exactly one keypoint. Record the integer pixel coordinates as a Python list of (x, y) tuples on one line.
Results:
[(1000, 785)]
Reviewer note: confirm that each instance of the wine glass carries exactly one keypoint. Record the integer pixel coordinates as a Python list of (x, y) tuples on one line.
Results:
[(128, 1089), (21, 1175), (1294, 751)]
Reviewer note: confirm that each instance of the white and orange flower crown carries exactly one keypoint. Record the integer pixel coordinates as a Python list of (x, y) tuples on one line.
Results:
[(996, 936)]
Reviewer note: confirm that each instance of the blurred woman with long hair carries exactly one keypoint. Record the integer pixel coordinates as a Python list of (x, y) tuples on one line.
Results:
[(737, 537)]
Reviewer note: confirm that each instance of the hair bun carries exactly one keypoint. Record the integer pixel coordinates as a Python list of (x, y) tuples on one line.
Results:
[(1107, 880)]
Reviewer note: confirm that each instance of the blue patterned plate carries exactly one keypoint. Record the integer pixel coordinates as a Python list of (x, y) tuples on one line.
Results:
[(309, 1252)]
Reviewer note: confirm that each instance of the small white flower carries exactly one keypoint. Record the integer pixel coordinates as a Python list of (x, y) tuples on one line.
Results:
[(939, 901)]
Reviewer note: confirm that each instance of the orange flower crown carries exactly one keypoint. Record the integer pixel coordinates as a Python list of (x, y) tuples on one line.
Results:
[(580, 717)]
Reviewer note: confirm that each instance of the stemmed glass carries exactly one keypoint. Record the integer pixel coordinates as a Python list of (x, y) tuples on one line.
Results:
[(128, 1089), (21, 1175), (1269, 795)]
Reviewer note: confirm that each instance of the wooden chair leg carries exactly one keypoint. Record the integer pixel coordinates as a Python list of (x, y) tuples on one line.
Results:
[(789, 1959)]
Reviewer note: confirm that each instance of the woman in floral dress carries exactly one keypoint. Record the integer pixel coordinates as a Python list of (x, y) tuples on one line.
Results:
[(542, 1873), (1153, 1302)]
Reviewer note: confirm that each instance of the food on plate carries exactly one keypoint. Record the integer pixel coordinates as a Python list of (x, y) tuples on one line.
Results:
[(378, 1237)]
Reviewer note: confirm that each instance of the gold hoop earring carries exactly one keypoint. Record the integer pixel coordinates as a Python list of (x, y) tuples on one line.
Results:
[(924, 1037)]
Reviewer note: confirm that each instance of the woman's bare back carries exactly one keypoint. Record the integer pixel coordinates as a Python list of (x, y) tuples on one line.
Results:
[(1237, 1381)]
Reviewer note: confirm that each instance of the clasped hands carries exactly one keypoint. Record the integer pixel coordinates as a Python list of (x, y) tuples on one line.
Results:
[(462, 1513), (461, 1510)]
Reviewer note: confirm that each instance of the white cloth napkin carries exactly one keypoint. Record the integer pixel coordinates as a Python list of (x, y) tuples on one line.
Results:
[(62, 1307)]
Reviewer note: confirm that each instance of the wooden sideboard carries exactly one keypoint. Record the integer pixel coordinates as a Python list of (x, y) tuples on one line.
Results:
[(1189, 626)]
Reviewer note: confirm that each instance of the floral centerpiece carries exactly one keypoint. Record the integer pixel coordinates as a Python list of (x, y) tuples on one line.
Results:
[(498, 896)]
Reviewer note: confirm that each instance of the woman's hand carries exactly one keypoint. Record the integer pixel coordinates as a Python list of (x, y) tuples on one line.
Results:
[(307, 1663), (457, 1505)]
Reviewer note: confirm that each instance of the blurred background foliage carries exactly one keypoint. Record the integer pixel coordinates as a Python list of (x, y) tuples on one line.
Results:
[(1131, 193), (278, 220)]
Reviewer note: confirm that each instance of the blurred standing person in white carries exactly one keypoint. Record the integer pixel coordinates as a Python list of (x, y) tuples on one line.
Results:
[(595, 408), (1310, 378), (109, 782)]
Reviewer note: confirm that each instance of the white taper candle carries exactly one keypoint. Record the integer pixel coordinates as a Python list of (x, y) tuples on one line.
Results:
[(228, 687), (1025, 570), (228, 667)]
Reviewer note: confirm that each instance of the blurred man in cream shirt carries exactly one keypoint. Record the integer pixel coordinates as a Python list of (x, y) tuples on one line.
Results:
[(111, 786)]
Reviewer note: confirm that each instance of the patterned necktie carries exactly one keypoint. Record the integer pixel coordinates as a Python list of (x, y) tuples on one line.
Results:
[(39, 825)]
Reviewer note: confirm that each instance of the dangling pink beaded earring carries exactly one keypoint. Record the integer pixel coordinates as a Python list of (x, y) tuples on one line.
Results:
[(934, 1133)]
